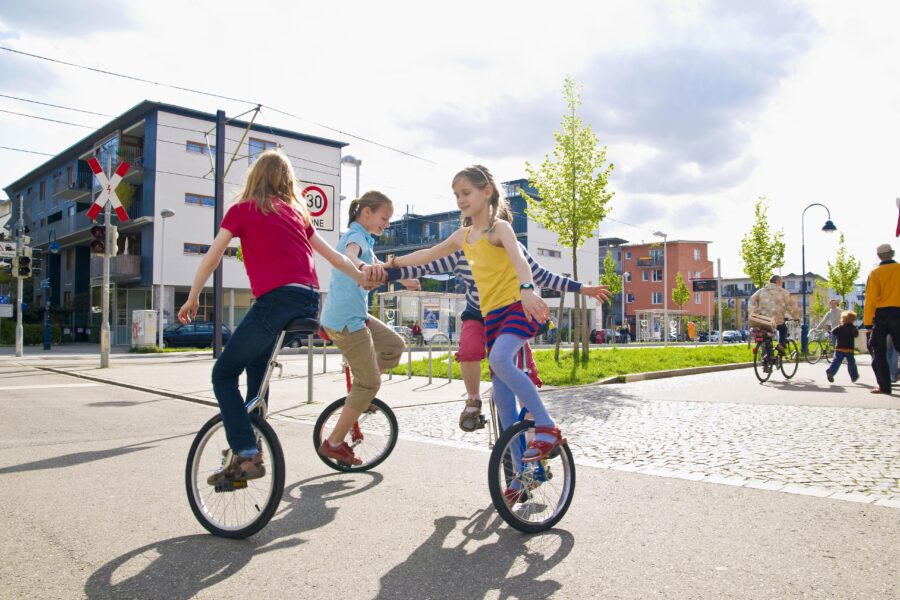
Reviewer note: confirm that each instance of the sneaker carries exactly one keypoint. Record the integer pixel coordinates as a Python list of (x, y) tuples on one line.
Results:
[(854, 380), (829, 376), (238, 468), (343, 453), (513, 496)]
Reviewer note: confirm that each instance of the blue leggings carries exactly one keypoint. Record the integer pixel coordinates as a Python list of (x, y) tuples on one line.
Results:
[(510, 383)]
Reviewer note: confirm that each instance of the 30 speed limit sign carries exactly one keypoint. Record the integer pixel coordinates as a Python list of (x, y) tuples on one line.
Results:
[(320, 201)]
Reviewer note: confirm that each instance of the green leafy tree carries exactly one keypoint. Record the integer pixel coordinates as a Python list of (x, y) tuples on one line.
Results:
[(374, 309), (762, 250), (819, 305), (842, 273), (572, 192), (611, 280), (680, 293)]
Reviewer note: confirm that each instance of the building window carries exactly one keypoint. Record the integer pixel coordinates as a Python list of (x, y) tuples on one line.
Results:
[(696, 274), (627, 276), (199, 148), (657, 255), (629, 298), (697, 298), (190, 248), (257, 147), (696, 253), (628, 255), (199, 200), (657, 298), (550, 253), (645, 275), (657, 275)]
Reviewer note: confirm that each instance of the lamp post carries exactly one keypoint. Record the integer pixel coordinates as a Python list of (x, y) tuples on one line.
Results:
[(352, 161), (165, 214), (827, 228), (665, 331)]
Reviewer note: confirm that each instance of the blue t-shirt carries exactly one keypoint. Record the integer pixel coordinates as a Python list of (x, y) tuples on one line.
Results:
[(346, 304)]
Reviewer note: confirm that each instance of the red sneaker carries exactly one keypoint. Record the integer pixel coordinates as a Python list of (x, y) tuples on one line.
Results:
[(343, 453)]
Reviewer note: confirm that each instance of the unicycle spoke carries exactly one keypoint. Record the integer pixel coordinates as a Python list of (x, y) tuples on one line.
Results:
[(372, 437)]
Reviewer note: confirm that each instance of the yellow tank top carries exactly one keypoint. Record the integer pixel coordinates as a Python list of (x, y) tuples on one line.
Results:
[(493, 272)]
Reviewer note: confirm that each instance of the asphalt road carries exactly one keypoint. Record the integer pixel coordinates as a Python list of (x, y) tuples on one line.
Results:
[(95, 507)]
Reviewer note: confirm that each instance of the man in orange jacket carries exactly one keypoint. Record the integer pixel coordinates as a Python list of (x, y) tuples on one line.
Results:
[(882, 314)]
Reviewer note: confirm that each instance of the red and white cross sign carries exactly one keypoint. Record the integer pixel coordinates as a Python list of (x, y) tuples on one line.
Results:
[(108, 190)]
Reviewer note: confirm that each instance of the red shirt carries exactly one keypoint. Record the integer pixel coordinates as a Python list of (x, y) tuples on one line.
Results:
[(276, 246)]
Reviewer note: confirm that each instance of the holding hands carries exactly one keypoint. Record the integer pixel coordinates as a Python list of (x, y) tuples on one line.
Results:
[(599, 293)]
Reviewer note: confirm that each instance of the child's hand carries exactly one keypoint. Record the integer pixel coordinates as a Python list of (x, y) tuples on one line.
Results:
[(599, 293), (535, 308), (410, 284), (374, 273), (188, 310)]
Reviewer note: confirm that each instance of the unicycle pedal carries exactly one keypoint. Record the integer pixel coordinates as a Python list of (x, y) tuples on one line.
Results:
[(231, 486)]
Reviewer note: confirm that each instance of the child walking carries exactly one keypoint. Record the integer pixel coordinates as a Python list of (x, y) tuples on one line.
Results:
[(844, 347), (368, 345), (278, 241), (513, 312)]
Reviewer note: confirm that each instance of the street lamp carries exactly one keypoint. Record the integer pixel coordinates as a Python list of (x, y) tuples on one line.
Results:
[(352, 161), (665, 284), (827, 228), (165, 214)]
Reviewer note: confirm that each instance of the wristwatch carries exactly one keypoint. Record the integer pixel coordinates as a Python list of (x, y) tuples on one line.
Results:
[(526, 286)]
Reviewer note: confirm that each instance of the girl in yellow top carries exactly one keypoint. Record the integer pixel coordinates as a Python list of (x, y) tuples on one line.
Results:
[(513, 311)]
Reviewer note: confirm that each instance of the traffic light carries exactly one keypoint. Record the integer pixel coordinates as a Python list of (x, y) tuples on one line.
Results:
[(98, 244), (22, 266)]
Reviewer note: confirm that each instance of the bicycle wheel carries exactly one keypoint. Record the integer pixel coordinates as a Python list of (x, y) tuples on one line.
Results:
[(242, 508), (549, 485), (814, 352), (828, 351), (791, 359), (761, 367), (372, 437)]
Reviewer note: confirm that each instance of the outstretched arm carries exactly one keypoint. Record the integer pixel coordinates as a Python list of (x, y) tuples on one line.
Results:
[(427, 255), (442, 266), (548, 279), (209, 263), (343, 263)]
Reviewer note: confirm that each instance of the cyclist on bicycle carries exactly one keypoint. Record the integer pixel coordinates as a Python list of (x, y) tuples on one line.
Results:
[(774, 301), (831, 320)]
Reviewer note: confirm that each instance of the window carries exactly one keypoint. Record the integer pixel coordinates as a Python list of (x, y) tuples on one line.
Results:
[(627, 276), (696, 253), (645, 275), (550, 253), (657, 298), (628, 255), (657, 255), (696, 274), (257, 147), (697, 298), (629, 298), (42, 194), (199, 200), (199, 148), (190, 248), (657, 275)]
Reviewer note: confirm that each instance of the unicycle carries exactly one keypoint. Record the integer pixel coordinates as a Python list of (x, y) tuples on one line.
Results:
[(239, 509)]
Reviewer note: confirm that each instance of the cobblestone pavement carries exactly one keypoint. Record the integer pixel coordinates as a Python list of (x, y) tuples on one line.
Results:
[(845, 453)]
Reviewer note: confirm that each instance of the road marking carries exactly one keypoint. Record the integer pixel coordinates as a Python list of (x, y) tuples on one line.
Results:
[(47, 386)]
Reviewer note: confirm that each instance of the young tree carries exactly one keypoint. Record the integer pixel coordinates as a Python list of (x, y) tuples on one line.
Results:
[(680, 293), (843, 272), (572, 192), (611, 280), (762, 250)]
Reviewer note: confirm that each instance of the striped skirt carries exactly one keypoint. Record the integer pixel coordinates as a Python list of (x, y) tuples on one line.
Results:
[(508, 319)]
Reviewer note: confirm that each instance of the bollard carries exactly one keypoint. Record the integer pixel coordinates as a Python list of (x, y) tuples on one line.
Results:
[(309, 370), (408, 361), (429, 364), (449, 364)]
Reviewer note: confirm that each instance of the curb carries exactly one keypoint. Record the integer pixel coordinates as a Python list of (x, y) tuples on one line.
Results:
[(634, 377)]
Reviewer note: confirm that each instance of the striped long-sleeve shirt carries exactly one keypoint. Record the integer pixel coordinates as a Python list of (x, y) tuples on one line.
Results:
[(457, 264)]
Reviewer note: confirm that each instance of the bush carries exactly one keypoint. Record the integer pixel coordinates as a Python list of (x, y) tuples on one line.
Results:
[(32, 334)]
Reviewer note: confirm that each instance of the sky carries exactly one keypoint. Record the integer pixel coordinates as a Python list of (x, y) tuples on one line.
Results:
[(703, 106)]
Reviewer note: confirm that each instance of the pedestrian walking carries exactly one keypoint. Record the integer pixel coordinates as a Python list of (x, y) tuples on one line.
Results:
[(844, 347), (882, 314)]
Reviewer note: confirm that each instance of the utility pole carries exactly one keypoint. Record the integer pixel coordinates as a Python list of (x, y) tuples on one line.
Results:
[(218, 296), (20, 251)]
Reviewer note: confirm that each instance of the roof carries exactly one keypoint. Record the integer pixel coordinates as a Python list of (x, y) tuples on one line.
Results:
[(138, 112)]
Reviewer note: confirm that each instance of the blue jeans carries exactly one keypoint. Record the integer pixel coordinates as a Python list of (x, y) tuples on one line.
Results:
[(249, 349), (851, 364)]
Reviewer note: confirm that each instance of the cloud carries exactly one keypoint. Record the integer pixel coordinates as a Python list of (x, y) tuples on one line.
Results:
[(692, 215), (640, 210), (64, 18), (21, 74)]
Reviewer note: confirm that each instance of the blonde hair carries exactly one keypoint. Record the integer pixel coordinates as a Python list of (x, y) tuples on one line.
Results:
[(372, 200), (271, 177), (480, 177), (848, 316)]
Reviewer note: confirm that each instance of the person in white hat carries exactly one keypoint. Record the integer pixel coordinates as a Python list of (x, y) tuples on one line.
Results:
[(882, 314)]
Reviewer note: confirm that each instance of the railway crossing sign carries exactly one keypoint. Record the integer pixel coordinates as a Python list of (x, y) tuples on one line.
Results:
[(108, 190)]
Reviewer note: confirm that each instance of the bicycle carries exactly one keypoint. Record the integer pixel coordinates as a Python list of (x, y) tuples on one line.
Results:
[(548, 486), (767, 358), (821, 344), (241, 508)]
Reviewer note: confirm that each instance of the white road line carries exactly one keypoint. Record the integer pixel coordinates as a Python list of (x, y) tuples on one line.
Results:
[(47, 386)]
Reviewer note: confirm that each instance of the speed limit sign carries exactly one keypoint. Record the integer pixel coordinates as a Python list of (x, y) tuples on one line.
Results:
[(320, 201)]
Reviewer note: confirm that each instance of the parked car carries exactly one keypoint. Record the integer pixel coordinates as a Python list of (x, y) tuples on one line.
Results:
[(705, 336), (604, 336), (302, 341), (405, 332), (197, 334), (731, 336)]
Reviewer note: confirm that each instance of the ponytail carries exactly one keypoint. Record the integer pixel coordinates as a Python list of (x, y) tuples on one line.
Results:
[(354, 210)]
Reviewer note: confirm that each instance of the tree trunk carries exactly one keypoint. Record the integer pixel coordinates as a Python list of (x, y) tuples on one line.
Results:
[(577, 337), (559, 322)]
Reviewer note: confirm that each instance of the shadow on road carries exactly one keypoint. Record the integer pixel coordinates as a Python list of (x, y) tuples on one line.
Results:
[(179, 568), (806, 385), (511, 564)]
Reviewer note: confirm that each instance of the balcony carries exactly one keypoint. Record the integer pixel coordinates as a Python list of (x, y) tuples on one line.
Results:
[(122, 269), (651, 261), (77, 189)]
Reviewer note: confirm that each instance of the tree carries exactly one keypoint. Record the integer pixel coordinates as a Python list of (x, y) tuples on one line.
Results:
[(373, 305), (762, 250), (680, 293), (572, 191), (843, 272), (611, 280)]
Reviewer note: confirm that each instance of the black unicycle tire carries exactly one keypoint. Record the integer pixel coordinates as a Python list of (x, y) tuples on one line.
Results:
[(334, 408)]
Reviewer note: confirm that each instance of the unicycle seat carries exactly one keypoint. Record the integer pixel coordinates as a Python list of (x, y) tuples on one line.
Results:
[(302, 325)]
